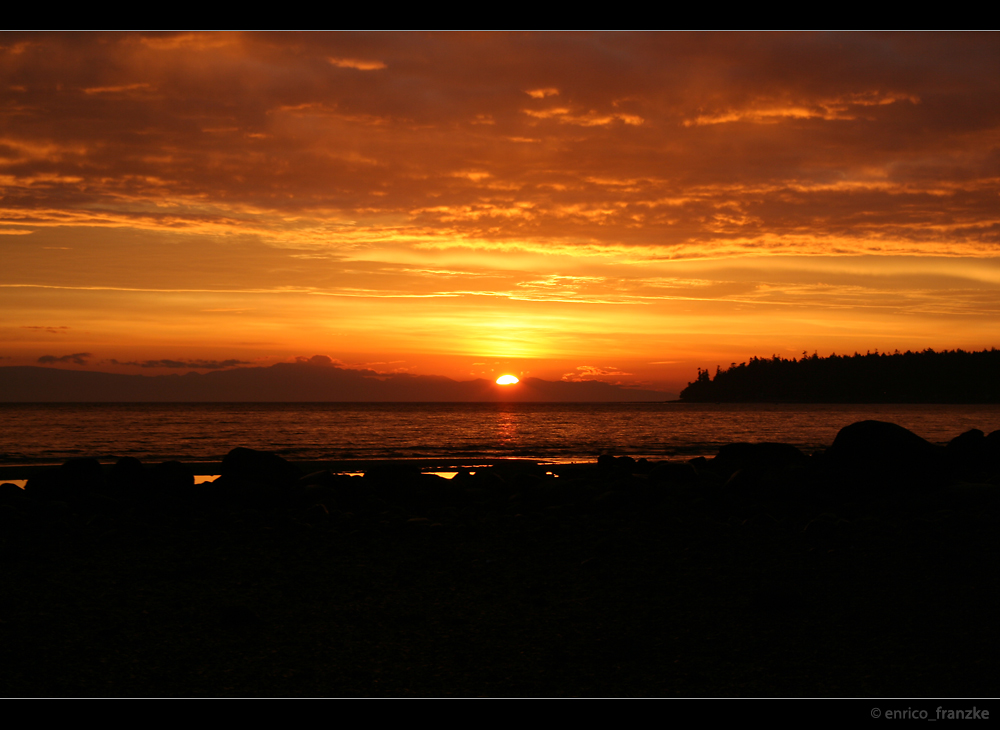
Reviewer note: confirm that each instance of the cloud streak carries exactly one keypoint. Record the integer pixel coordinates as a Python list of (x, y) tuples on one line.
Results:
[(78, 358), (185, 364)]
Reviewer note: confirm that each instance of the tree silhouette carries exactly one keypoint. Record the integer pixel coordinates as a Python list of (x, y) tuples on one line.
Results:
[(950, 376)]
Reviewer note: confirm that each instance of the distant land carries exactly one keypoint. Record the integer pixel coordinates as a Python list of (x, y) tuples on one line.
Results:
[(293, 382), (950, 376)]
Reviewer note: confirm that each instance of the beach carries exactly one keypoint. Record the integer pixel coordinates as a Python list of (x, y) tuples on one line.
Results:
[(753, 573)]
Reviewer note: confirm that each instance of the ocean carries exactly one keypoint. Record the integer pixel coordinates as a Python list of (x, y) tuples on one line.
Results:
[(50, 433)]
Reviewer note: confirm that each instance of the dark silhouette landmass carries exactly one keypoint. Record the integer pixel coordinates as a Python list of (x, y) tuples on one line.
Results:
[(950, 376), (291, 383)]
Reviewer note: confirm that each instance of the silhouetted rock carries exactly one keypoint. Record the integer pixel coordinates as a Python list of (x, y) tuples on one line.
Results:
[(173, 481), (126, 477), (967, 452), (673, 473), (84, 473), (993, 452), (877, 454), (624, 464), (260, 479), (250, 465), (320, 478), (12, 495), (71, 483), (732, 457)]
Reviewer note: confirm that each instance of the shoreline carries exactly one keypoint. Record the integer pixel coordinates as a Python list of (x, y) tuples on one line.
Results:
[(759, 572), (22, 472)]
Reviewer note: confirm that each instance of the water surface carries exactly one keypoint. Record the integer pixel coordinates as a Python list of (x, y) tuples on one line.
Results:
[(50, 433)]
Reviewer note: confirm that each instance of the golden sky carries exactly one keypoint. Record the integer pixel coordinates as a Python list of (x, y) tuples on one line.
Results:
[(616, 206)]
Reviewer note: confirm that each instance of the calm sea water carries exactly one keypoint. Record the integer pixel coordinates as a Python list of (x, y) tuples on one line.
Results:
[(51, 433)]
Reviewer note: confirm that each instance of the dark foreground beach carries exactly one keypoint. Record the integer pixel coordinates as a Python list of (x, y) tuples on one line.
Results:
[(867, 570)]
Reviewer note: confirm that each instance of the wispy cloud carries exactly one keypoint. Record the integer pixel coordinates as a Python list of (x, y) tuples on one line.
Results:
[(78, 358), (591, 372), (357, 63), (57, 330), (185, 364), (116, 89)]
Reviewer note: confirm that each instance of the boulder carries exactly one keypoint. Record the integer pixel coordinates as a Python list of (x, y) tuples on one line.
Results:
[(993, 452), (72, 482), (967, 452), (127, 477), (673, 473), (885, 457), (173, 481), (763, 456), (250, 465), (261, 479), (12, 495)]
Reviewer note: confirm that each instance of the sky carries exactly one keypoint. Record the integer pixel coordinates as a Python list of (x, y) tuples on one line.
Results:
[(625, 207)]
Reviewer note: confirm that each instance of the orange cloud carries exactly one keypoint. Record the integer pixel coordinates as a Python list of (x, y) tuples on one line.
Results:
[(358, 64), (589, 372)]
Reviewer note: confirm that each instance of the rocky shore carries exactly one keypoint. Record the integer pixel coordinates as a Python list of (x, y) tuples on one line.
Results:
[(868, 569)]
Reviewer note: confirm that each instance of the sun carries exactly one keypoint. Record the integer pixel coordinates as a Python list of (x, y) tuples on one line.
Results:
[(506, 380)]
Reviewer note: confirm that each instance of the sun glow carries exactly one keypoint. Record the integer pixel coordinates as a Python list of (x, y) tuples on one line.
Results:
[(506, 380)]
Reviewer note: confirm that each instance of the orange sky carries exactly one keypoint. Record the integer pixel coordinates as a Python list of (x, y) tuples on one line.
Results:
[(624, 207)]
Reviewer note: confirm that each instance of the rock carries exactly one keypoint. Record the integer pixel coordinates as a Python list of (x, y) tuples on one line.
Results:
[(72, 482), (967, 452), (12, 495), (84, 474), (259, 479), (617, 464), (322, 478), (674, 473), (766, 456), (250, 465), (993, 452), (317, 514), (11, 519), (880, 456), (174, 480), (127, 477)]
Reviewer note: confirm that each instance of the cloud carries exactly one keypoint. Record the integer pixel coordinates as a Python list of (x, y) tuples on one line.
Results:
[(61, 330), (321, 360), (115, 89), (79, 358), (708, 146), (185, 364), (769, 111), (358, 64), (590, 372), (584, 119)]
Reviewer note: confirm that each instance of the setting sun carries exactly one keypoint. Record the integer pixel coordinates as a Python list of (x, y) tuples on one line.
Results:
[(506, 380)]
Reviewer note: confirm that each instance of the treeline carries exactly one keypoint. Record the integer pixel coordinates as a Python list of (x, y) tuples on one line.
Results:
[(950, 376)]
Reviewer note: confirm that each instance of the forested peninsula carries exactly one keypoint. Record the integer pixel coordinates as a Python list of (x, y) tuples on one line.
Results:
[(950, 376)]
